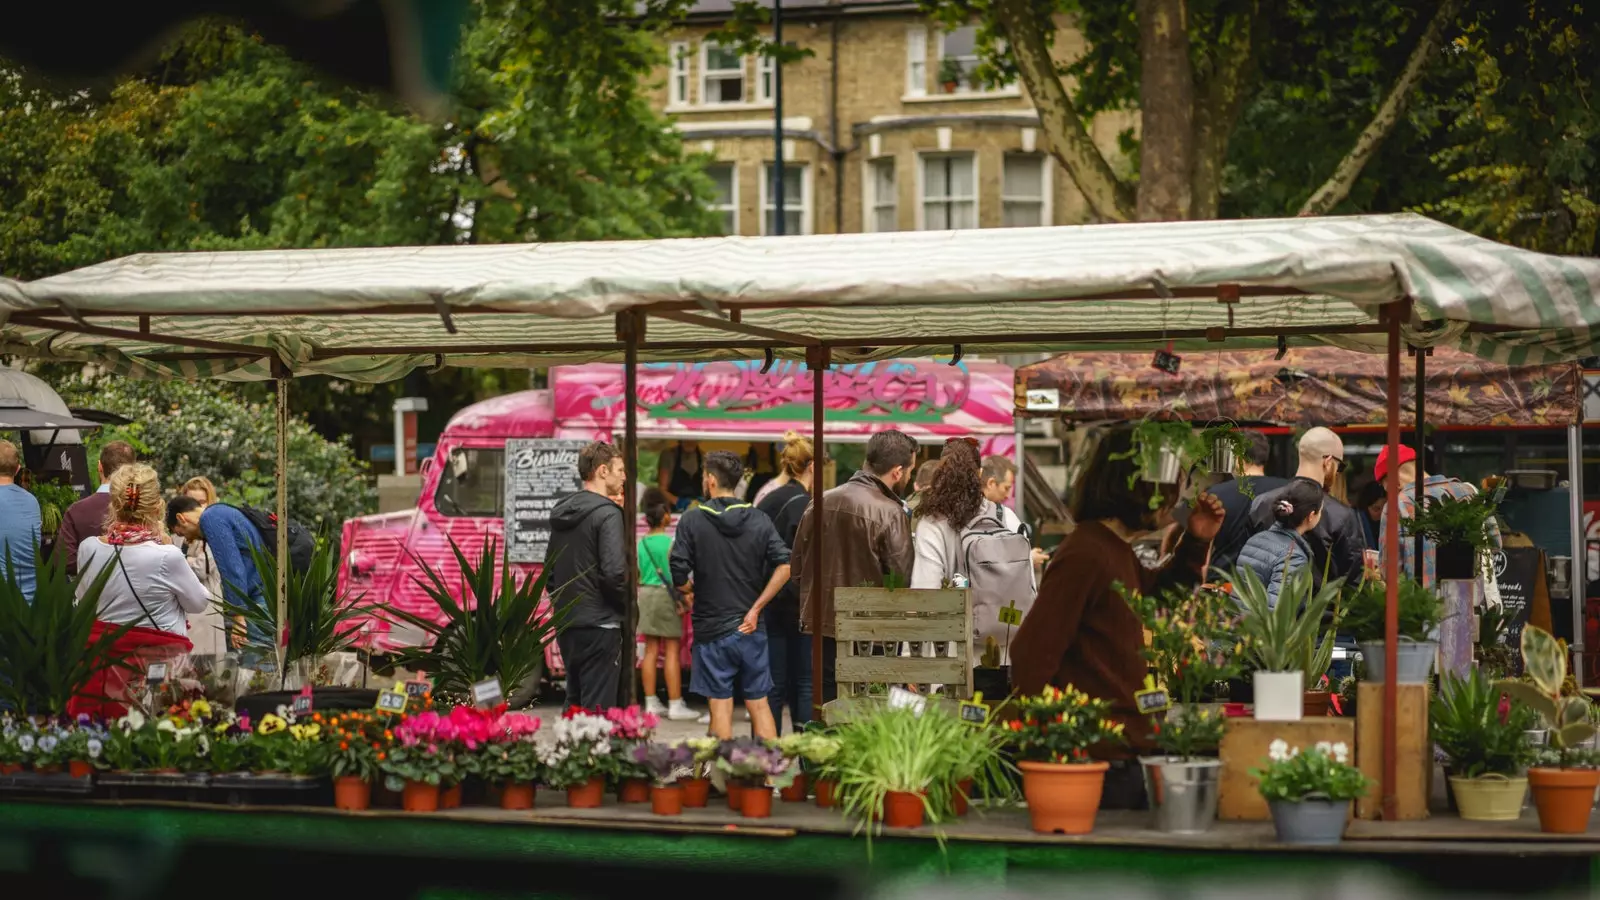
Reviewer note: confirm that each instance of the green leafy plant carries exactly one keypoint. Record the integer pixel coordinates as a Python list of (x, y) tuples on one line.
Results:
[(320, 620), (54, 498), (1494, 655), (1420, 610), (1481, 732), (1059, 725), (951, 72), (1193, 645), (1450, 520), (1231, 438), (1321, 773), (1276, 637), (1317, 655), (493, 631), (1189, 732), (1152, 440), (47, 654), (1565, 718), (900, 749)]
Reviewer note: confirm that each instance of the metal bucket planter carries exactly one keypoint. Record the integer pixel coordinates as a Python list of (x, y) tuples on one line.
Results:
[(1222, 457), (1310, 823), (1414, 659), (1183, 792), (1489, 798), (1168, 467)]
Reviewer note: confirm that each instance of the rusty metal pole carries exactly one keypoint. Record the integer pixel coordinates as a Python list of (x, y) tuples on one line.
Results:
[(817, 362), (631, 325), (1391, 574), (1422, 445)]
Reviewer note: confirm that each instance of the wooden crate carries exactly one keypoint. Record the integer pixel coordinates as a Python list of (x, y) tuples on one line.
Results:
[(1414, 748), (1244, 747), (866, 617)]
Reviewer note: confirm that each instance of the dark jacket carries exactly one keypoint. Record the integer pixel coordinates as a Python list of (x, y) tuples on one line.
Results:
[(588, 566), (785, 506), (1337, 543), (867, 536), (730, 550), (1237, 526), (86, 518), (1273, 555)]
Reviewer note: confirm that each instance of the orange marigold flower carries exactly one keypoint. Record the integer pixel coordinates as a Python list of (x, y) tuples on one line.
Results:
[(344, 745), (381, 755)]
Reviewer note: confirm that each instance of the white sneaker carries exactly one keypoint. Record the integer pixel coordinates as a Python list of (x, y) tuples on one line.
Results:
[(705, 719), (679, 711), (653, 705)]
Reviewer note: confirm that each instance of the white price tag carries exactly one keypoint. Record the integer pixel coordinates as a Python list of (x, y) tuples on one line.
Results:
[(156, 674), (488, 693)]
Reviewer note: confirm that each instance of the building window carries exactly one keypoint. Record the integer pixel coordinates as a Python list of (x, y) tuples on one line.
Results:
[(1023, 190), (949, 192), (796, 201), (882, 213), (764, 78), (679, 84), (958, 56), (916, 61), (721, 75), (725, 177)]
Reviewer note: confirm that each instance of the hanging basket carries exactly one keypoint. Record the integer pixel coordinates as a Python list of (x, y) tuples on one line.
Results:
[(1168, 466), (1222, 458)]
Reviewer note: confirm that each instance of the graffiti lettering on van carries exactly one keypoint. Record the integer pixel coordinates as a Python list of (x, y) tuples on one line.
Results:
[(903, 391)]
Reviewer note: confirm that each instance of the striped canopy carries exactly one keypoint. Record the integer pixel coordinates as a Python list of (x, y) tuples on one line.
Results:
[(373, 314)]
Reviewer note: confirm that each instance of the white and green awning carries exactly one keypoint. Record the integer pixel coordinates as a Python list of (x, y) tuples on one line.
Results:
[(373, 314)]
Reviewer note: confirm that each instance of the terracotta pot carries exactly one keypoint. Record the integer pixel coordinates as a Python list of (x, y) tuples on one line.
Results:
[(826, 788), (696, 792), (666, 801), (1565, 797), (587, 796), (79, 768), (450, 797), (963, 795), (1317, 704), (797, 791), (735, 795), (53, 769), (516, 795), (420, 796), (902, 809), (10, 768), (634, 790), (1063, 798), (755, 801), (352, 792)]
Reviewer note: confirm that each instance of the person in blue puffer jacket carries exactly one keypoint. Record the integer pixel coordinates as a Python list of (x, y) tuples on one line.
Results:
[(1282, 550)]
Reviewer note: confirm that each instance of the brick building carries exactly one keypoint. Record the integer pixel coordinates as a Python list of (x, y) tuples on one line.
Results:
[(882, 129)]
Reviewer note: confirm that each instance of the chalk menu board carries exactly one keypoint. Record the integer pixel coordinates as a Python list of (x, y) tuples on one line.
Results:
[(1517, 572), (540, 472)]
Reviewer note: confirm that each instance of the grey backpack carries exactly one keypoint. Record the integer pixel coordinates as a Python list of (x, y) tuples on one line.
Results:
[(998, 563)]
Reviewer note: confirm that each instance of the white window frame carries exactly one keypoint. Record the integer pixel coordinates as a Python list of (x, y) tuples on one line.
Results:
[(922, 186), (707, 76), (916, 58), (1046, 186), (766, 74), (871, 202), (678, 74), (733, 194), (805, 195), (966, 90)]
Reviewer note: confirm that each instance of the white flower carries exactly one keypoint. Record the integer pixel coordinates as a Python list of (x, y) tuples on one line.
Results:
[(94, 748), (133, 721), (1278, 750), (1341, 752), (167, 725), (25, 743), (48, 743), (1325, 748)]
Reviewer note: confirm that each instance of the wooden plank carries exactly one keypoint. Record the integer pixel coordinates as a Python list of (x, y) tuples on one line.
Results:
[(883, 600), (1244, 747), (846, 709), (897, 670), (1414, 748), (940, 628)]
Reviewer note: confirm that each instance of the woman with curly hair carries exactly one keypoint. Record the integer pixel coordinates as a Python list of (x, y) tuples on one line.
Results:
[(951, 503)]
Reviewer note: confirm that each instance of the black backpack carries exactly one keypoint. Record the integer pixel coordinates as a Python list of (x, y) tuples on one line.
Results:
[(302, 543)]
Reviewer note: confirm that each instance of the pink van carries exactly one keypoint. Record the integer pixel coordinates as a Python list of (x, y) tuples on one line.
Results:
[(715, 403)]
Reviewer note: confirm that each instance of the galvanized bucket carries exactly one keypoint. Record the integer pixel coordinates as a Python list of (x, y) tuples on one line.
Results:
[(1183, 792)]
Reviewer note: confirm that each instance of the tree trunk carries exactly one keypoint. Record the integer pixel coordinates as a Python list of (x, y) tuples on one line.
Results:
[(1337, 187), (1166, 112), (1220, 91), (1063, 129)]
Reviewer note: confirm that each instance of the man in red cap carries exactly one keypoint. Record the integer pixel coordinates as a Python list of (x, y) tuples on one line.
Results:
[(1432, 486)]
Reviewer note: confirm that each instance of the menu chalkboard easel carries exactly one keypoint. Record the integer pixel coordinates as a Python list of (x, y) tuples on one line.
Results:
[(540, 472)]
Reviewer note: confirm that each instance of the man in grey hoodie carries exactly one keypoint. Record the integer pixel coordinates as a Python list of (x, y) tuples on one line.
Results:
[(589, 579)]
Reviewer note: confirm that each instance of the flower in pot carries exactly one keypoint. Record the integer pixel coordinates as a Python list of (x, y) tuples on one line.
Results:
[(755, 766), (11, 755), (576, 755), (1458, 531), (951, 74), (48, 749), (697, 785), (811, 750), (84, 747), (631, 727), (354, 741), (419, 762), (666, 764), (1277, 635), (1052, 737), (1485, 737), (1420, 611), (1310, 793), (1565, 778)]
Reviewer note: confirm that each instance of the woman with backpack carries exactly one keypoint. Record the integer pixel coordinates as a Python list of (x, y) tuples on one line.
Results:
[(660, 615), (953, 500)]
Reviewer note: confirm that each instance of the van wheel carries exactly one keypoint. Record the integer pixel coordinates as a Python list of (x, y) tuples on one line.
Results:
[(528, 691)]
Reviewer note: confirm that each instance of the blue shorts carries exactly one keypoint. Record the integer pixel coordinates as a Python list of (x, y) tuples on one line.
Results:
[(741, 656)]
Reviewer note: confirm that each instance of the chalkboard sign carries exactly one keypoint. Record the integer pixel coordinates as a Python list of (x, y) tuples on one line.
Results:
[(540, 472), (1517, 571)]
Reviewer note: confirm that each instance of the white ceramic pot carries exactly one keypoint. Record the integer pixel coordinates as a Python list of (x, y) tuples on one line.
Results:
[(1279, 696)]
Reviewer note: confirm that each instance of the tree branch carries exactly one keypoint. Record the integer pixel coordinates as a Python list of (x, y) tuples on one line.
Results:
[(1337, 187), (1064, 133)]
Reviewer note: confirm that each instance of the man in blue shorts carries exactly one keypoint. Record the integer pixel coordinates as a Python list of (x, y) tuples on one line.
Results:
[(728, 559)]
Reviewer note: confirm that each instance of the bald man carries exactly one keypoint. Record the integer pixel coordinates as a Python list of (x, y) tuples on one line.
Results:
[(1337, 543)]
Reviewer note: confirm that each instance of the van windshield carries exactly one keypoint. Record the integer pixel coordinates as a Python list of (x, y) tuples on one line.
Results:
[(472, 484)]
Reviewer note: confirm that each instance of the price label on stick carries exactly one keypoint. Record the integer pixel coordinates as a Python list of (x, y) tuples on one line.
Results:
[(974, 711), (418, 687), (487, 693), (303, 702), (391, 701), (156, 674), (1152, 699), (1010, 615)]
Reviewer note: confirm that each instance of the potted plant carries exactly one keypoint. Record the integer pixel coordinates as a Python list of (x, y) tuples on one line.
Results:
[(319, 619), (1229, 448), (1485, 737), (631, 727), (1564, 781), (951, 74), (1420, 611), (1276, 637), (46, 748), (1310, 793), (1495, 656), (355, 740), (809, 750), (419, 761), (978, 766), (666, 763), (697, 785), (1161, 451), (52, 646), (576, 755), (755, 766), (1458, 529), (1317, 659), (11, 755), (510, 759), (83, 746), (895, 765), (1052, 737)]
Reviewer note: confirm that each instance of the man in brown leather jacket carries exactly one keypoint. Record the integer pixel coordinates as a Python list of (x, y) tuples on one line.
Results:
[(867, 532)]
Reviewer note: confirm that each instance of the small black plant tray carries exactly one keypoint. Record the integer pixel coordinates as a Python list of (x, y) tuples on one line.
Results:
[(189, 786), (35, 783), (267, 790)]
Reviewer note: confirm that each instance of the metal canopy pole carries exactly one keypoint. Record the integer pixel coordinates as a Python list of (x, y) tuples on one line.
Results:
[(817, 361), (630, 324), (281, 639), (1421, 467), (777, 117), (1580, 551), (1391, 574)]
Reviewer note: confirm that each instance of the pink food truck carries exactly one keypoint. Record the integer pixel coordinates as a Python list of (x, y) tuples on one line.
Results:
[(730, 405)]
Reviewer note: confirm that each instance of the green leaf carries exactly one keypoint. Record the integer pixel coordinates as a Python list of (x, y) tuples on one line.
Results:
[(1543, 660)]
